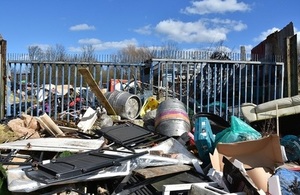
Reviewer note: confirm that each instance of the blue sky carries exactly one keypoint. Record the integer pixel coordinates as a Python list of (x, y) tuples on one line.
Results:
[(110, 25)]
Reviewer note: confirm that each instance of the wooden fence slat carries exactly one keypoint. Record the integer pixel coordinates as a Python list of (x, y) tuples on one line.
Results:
[(96, 90)]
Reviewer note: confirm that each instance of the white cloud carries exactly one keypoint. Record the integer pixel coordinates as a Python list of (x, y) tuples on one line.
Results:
[(145, 30), (101, 46), (226, 23), (92, 41), (215, 6), (115, 44), (80, 27), (201, 31), (264, 34)]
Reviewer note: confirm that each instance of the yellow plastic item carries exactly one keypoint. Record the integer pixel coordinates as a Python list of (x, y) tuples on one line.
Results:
[(150, 104)]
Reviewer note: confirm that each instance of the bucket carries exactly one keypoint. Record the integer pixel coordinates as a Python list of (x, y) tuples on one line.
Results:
[(171, 118), (125, 104)]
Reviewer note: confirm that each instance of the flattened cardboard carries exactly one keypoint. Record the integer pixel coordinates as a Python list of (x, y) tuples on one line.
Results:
[(260, 177), (262, 156), (264, 152)]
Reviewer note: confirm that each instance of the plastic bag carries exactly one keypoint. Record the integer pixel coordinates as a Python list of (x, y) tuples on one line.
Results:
[(291, 145), (150, 104), (289, 181), (238, 131)]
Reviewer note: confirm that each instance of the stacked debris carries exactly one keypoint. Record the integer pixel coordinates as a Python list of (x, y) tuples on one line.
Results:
[(159, 153), (125, 146), (106, 156)]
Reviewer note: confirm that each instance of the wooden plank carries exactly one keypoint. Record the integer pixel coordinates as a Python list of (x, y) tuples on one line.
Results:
[(54, 144), (288, 67), (96, 90), (3, 45), (160, 171), (47, 123), (294, 65)]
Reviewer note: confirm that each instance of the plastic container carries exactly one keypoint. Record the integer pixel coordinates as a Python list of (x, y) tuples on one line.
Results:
[(204, 138)]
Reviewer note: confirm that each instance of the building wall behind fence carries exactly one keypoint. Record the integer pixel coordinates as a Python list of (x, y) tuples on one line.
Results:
[(216, 86)]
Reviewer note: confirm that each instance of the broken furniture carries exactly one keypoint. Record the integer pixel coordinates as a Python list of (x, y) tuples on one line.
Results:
[(286, 109)]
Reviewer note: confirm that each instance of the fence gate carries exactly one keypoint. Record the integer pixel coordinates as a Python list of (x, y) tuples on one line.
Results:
[(216, 86)]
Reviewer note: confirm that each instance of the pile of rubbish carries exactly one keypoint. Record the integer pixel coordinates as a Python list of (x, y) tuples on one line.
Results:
[(126, 147)]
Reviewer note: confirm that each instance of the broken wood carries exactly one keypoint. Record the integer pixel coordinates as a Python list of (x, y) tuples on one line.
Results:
[(53, 144), (160, 171), (47, 123), (96, 90)]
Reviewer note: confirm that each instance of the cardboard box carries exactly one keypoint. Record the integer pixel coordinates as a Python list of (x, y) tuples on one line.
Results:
[(259, 157), (237, 180)]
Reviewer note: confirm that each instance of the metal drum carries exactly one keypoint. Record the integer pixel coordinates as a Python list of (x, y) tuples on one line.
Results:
[(125, 104), (171, 118)]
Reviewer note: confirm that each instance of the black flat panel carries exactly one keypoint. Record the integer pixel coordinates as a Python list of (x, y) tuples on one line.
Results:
[(131, 136), (124, 133), (77, 165)]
